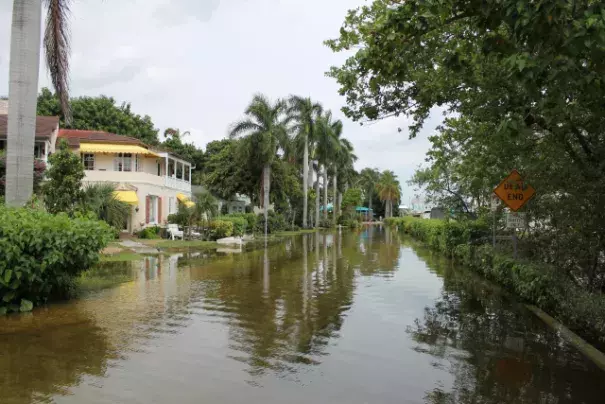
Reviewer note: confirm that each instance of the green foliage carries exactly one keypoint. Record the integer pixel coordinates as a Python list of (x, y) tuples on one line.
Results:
[(350, 200), (43, 253), (349, 222), (524, 82), (224, 209), (326, 223), (100, 113), (39, 169), (220, 229), (276, 223), (532, 282), (240, 224), (100, 199), (181, 217), (62, 191), (151, 232)]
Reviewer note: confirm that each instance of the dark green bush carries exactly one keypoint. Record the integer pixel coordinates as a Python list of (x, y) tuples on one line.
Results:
[(220, 229), (531, 282), (41, 254), (152, 232), (276, 223), (326, 223), (239, 223)]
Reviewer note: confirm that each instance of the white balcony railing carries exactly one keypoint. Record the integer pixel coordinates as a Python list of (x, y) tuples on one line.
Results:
[(181, 185)]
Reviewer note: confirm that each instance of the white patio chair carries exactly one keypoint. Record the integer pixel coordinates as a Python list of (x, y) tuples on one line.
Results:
[(174, 232)]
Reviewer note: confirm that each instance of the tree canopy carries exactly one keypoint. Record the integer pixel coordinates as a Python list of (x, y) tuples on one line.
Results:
[(100, 113)]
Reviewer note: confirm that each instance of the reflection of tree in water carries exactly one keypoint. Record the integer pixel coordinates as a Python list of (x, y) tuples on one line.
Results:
[(376, 249), (497, 353), (289, 324), (42, 360)]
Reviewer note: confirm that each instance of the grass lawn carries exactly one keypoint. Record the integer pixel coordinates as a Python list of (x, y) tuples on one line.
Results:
[(121, 256), (294, 232)]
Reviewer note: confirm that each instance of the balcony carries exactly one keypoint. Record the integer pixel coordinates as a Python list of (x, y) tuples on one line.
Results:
[(137, 177)]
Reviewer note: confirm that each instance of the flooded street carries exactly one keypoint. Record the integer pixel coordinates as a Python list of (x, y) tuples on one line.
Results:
[(325, 318)]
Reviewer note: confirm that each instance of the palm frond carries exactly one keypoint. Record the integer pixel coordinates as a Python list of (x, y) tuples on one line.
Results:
[(243, 127), (58, 49)]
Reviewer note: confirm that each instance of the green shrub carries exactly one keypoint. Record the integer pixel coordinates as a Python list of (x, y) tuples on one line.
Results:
[(220, 229), (326, 223), (152, 232), (351, 223), (43, 253), (531, 282), (276, 223), (239, 223)]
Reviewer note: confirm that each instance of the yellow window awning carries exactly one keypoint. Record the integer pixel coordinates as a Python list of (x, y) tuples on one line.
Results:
[(129, 197), (185, 200), (115, 148)]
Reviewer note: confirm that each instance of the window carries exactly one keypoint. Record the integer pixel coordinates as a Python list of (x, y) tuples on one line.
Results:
[(88, 160), (122, 162), (2, 144), (172, 205), (39, 150), (171, 168), (179, 171), (187, 173)]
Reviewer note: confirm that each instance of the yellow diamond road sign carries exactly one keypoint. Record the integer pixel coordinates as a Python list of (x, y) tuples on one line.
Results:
[(514, 192)]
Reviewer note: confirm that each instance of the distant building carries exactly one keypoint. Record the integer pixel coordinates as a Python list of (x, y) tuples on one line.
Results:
[(237, 204), (47, 129)]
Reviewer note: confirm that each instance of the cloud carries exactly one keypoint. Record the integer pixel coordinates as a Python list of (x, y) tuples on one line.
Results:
[(195, 64)]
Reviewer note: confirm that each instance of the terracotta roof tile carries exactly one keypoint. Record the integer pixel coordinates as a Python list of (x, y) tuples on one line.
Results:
[(74, 137), (45, 125)]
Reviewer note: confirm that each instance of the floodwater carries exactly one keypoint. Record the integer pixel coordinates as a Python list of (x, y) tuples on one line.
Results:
[(324, 318)]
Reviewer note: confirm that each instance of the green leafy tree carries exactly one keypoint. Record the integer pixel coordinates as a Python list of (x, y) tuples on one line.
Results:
[(205, 208), (100, 113), (327, 150), (343, 162), (267, 131), (350, 200), (63, 189), (368, 179)]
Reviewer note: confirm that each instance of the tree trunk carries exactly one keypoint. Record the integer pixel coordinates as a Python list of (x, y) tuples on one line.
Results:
[(305, 183), (266, 187), (317, 194), (335, 209), (370, 204), (340, 201), (325, 192), (23, 95)]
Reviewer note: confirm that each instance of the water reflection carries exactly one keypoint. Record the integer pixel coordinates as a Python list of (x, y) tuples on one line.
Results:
[(497, 352), (347, 317)]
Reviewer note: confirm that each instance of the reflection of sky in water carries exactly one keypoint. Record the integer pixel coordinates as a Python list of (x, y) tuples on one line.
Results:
[(315, 319)]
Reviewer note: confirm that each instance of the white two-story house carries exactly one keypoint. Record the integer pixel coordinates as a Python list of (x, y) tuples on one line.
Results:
[(152, 181)]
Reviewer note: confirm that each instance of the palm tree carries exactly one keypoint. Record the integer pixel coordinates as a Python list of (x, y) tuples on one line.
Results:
[(389, 190), (304, 112), (343, 162), (267, 130), (206, 207), (101, 199), (23, 86), (369, 177), (327, 148)]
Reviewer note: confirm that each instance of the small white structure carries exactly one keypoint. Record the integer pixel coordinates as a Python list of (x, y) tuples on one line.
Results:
[(174, 232)]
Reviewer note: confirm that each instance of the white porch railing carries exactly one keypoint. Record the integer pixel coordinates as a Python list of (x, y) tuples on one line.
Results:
[(178, 184)]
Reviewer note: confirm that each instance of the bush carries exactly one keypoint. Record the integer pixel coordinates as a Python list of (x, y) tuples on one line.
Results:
[(326, 223), (351, 223), (43, 253), (531, 282), (152, 232), (276, 223), (220, 229), (239, 223)]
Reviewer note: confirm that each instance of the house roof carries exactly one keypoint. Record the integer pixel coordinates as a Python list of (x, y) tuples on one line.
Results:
[(75, 136), (45, 125)]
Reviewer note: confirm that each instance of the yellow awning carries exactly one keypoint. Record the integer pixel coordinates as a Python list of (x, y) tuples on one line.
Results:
[(115, 148), (127, 196), (185, 200)]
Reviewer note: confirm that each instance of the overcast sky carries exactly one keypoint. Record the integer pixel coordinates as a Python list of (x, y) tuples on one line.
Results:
[(195, 64)]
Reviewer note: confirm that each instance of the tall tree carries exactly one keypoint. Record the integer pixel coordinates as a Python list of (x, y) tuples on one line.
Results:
[(267, 131), (23, 85), (388, 190), (343, 162), (305, 113), (63, 188), (100, 113), (327, 147), (368, 179)]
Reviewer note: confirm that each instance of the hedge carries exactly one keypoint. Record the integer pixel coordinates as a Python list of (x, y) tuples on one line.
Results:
[(240, 224), (41, 254), (220, 229), (530, 282)]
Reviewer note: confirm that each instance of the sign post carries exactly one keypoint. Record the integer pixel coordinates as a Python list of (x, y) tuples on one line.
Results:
[(515, 193)]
